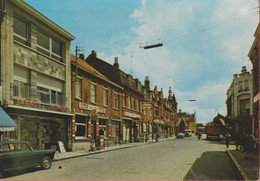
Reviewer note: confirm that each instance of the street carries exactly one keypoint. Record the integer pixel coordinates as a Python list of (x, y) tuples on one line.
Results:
[(174, 159)]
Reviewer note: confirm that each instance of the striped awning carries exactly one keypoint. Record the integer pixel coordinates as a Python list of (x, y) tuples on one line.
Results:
[(6, 122)]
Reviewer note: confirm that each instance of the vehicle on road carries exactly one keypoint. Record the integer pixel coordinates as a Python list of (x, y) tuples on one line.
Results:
[(213, 132), (187, 133), (20, 155), (180, 135)]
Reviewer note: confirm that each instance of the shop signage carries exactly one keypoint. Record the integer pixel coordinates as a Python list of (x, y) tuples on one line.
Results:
[(89, 129), (73, 128), (28, 103), (256, 98), (97, 129), (109, 130), (58, 108), (91, 107), (132, 115)]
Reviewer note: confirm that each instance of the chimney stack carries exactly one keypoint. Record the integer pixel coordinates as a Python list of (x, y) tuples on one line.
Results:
[(147, 82), (94, 53), (82, 56), (116, 64)]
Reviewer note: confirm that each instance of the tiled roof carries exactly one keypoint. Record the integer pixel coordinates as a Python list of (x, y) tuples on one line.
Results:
[(85, 65)]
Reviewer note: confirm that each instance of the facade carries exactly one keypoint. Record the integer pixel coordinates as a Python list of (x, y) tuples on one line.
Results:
[(131, 101), (239, 101), (95, 103), (254, 58), (186, 121), (35, 74)]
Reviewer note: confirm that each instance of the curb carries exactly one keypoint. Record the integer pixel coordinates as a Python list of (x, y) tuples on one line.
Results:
[(102, 151), (239, 168), (91, 153)]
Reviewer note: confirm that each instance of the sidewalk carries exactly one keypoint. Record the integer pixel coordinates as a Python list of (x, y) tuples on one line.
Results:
[(248, 168), (67, 155)]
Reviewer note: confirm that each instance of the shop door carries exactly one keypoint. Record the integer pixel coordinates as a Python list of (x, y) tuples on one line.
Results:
[(44, 135)]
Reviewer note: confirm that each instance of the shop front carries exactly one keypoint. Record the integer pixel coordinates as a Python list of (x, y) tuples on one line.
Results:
[(127, 130), (42, 128), (116, 127)]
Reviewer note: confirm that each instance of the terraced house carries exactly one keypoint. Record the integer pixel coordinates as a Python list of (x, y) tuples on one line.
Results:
[(35, 74)]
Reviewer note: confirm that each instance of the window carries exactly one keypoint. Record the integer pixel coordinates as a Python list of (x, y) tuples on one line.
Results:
[(105, 97), (116, 100), (138, 104), (93, 93), (129, 102), (20, 31), (21, 90), (49, 46), (124, 100), (81, 126), (244, 106), (78, 87), (132, 103), (48, 96), (240, 88), (246, 84)]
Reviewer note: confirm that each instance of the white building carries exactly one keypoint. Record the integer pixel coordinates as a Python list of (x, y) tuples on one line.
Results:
[(35, 75), (239, 101)]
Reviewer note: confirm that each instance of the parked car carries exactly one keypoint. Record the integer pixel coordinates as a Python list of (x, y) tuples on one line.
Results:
[(187, 133), (20, 155), (180, 135)]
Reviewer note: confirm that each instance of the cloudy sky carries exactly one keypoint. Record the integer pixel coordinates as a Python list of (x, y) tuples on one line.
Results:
[(205, 42)]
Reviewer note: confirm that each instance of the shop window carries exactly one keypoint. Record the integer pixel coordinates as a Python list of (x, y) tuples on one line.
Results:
[(48, 46), (105, 97), (93, 88), (20, 31), (81, 126), (21, 90), (116, 100), (78, 88)]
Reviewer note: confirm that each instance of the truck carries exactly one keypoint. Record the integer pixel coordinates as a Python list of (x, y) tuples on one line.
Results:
[(213, 132)]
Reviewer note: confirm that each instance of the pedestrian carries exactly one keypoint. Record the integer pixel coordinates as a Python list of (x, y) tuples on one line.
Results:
[(199, 135), (228, 136), (248, 145), (238, 140)]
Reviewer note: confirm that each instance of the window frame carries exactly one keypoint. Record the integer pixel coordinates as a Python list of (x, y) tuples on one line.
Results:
[(93, 98), (116, 100), (21, 39), (105, 97), (78, 87)]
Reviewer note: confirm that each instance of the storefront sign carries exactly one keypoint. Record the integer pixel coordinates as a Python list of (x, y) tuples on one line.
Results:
[(132, 115), (58, 108), (73, 128), (28, 103), (90, 107)]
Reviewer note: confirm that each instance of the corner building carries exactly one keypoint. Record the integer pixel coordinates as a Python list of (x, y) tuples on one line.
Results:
[(35, 74)]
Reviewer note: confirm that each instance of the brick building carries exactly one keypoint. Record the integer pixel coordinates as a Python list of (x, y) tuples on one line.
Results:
[(96, 106)]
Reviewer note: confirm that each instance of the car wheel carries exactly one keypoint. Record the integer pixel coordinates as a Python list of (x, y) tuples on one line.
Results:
[(46, 162)]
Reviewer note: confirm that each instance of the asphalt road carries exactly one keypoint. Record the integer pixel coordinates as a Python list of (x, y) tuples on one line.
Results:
[(178, 159)]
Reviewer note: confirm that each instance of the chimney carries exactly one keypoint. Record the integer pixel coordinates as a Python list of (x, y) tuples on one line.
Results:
[(82, 56), (243, 71), (147, 82), (94, 53), (235, 75), (116, 65)]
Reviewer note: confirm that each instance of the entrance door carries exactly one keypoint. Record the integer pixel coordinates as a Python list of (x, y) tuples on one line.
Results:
[(44, 134)]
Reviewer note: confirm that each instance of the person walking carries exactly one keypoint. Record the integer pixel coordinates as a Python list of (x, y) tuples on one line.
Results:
[(238, 141), (228, 136), (248, 145)]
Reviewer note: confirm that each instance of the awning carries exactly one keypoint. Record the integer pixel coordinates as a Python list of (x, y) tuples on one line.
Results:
[(6, 122)]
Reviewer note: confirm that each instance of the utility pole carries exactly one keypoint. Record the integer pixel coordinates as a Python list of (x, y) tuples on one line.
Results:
[(76, 74)]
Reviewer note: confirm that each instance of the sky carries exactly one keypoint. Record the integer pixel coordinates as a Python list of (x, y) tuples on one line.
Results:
[(204, 42)]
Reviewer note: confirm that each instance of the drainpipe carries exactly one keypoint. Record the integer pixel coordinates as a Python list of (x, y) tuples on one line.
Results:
[(2, 14)]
